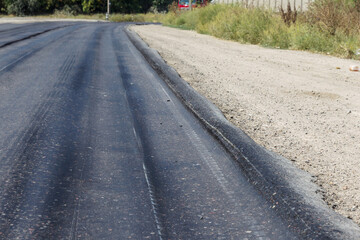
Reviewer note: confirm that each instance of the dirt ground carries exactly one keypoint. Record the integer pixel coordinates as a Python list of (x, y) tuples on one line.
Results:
[(304, 106)]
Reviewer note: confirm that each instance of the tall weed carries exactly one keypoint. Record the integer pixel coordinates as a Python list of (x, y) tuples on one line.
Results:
[(277, 34), (346, 45), (305, 37), (206, 17), (313, 32), (333, 15), (149, 17)]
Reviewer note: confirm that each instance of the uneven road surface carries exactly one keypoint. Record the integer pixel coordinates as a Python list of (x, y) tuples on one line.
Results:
[(94, 145)]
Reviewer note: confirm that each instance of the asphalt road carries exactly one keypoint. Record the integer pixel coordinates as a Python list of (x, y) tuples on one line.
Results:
[(94, 145)]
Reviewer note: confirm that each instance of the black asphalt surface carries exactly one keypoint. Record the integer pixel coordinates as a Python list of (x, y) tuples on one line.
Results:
[(94, 145)]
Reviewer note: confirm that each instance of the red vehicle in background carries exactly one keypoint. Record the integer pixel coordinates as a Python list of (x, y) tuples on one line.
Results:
[(184, 4)]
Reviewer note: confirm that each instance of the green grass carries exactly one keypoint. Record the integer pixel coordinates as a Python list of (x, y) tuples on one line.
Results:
[(266, 28), (150, 17)]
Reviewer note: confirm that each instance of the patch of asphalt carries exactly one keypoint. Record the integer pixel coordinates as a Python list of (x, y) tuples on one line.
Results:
[(31, 36), (21, 20), (292, 192)]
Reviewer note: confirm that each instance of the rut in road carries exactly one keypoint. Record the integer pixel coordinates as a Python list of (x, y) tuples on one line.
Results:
[(11, 36), (96, 146)]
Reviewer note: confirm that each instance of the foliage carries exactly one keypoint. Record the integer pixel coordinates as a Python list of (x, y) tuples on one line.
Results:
[(90, 6), (72, 7), (149, 17), (268, 28), (334, 15), (23, 7), (162, 5), (2, 6), (173, 7), (289, 17), (68, 11), (329, 26), (278, 35)]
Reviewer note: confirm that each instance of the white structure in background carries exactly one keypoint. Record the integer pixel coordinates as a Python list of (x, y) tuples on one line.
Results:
[(301, 5)]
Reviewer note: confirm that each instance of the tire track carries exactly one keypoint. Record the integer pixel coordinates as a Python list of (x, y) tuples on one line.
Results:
[(31, 36), (25, 26), (62, 180), (35, 47), (19, 157), (159, 222)]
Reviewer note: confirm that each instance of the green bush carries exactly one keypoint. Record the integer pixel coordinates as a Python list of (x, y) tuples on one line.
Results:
[(346, 45), (206, 17), (277, 35), (306, 37), (24, 7), (68, 11)]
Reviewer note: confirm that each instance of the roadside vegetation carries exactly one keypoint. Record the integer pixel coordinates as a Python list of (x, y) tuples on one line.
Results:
[(329, 26), (77, 7), (121, 10), (116, 17), (149, 17)]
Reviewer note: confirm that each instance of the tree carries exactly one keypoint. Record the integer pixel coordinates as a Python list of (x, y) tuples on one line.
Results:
[(124, 6), (51, 5), (145, 5), (31, 7), (134, 6), (2, 6), (162, 5), (25, 7), (92, 6)]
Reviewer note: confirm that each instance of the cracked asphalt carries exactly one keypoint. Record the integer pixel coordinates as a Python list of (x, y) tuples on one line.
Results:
[(94, 145)]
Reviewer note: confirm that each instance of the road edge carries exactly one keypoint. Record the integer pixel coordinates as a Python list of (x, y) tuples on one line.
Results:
[(291, 191)]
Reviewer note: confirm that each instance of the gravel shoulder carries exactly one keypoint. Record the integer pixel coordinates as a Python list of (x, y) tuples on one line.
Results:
[(304, 106)]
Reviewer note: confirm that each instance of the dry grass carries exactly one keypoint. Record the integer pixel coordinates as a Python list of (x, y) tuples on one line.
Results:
[(150, 17), (335, 15), (324, 29), (289, 17)]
